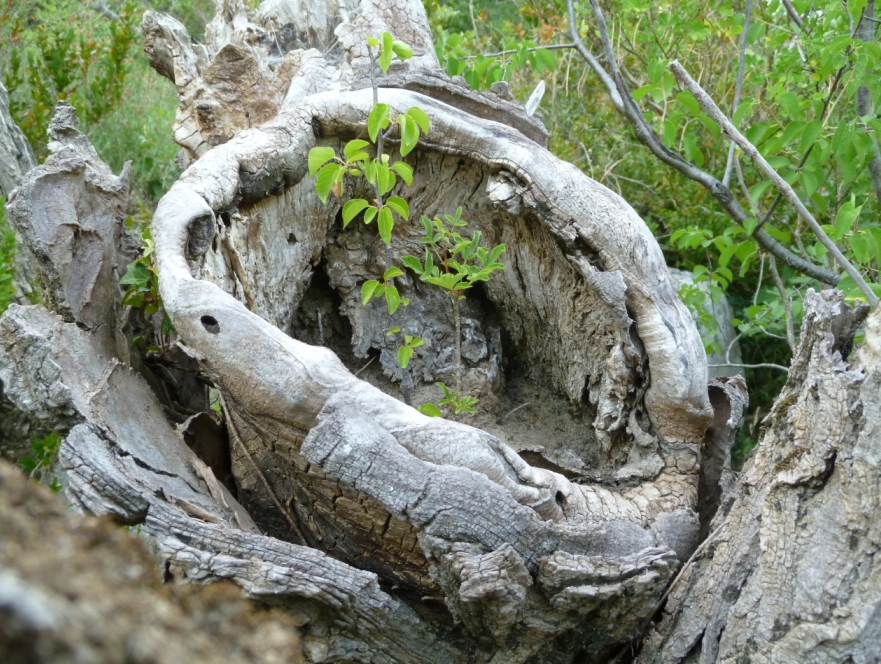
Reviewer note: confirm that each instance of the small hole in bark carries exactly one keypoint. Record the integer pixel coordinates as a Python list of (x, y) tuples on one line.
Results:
[(561, 499), (292, 239), (224, 217), (211, 324)]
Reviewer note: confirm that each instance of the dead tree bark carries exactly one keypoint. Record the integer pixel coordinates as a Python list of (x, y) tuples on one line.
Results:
[(394, 537), (16, 159), (789, 573)]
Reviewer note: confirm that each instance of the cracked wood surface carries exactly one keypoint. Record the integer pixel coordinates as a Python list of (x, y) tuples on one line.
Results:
[(790, 573), (409, 538)]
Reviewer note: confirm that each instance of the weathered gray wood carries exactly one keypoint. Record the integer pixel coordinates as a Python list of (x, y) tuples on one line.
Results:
[(16, 159), (789, 573), (484, 556), (121, 455)]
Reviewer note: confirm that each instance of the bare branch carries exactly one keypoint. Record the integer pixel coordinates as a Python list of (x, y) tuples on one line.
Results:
[(709, 107), (101, 7), (787, 304), (866, 32), (624, 102), (738, 86), (593, 62), (549, 47), (793, 15), (764, 365)]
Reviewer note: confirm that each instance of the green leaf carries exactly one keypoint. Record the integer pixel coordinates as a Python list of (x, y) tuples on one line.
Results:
[(845, 218), (318, 157), (136, 274), (392, 272), (404, 355), (325, 180), (370, 214), (687, 99), (421, 118), (426, 224), (378, 120), (352, 208), (789, 103), (395, 329), (758, 189), (430, 409), (810, 133), (402, 49), (547, 58), (392, 299), (792, 132), (778, 162), (409, 134), (386, 51), (860, 246), (367, 290), (385, 181), (412, 263), (403, 169), (399, 205), (809, 182), (353, 148), (386, 224)]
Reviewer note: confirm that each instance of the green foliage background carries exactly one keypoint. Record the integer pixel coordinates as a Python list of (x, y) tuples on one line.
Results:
[(797, 105)]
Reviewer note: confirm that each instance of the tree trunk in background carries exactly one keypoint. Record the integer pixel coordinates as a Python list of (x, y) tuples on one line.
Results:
[(546, 527), (16, 159)]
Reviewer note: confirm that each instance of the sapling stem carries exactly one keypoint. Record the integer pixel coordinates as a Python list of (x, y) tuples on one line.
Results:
[(458, 340)]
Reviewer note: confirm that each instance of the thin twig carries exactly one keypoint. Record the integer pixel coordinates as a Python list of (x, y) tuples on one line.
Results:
[(548, 47), (738, 86), (709, 107), (730, 346), (743, 188), (624, 103), (587, 156), (759, 282), (764, 365), (260, 475), (787, 303), (523, 405), (366, 365), (471, 10)]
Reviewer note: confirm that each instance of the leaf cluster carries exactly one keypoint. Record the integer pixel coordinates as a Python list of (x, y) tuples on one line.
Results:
[(141, 280), (44, 452), (451, 261)]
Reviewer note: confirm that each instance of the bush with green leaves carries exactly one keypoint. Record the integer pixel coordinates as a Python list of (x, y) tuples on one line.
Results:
[(460, 263), (7, 258), (808, 100), (57, 51), (141, 280), (38, 464), (454, 264)]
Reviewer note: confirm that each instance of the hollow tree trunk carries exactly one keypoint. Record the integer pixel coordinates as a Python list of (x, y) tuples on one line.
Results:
[(542, 529)]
